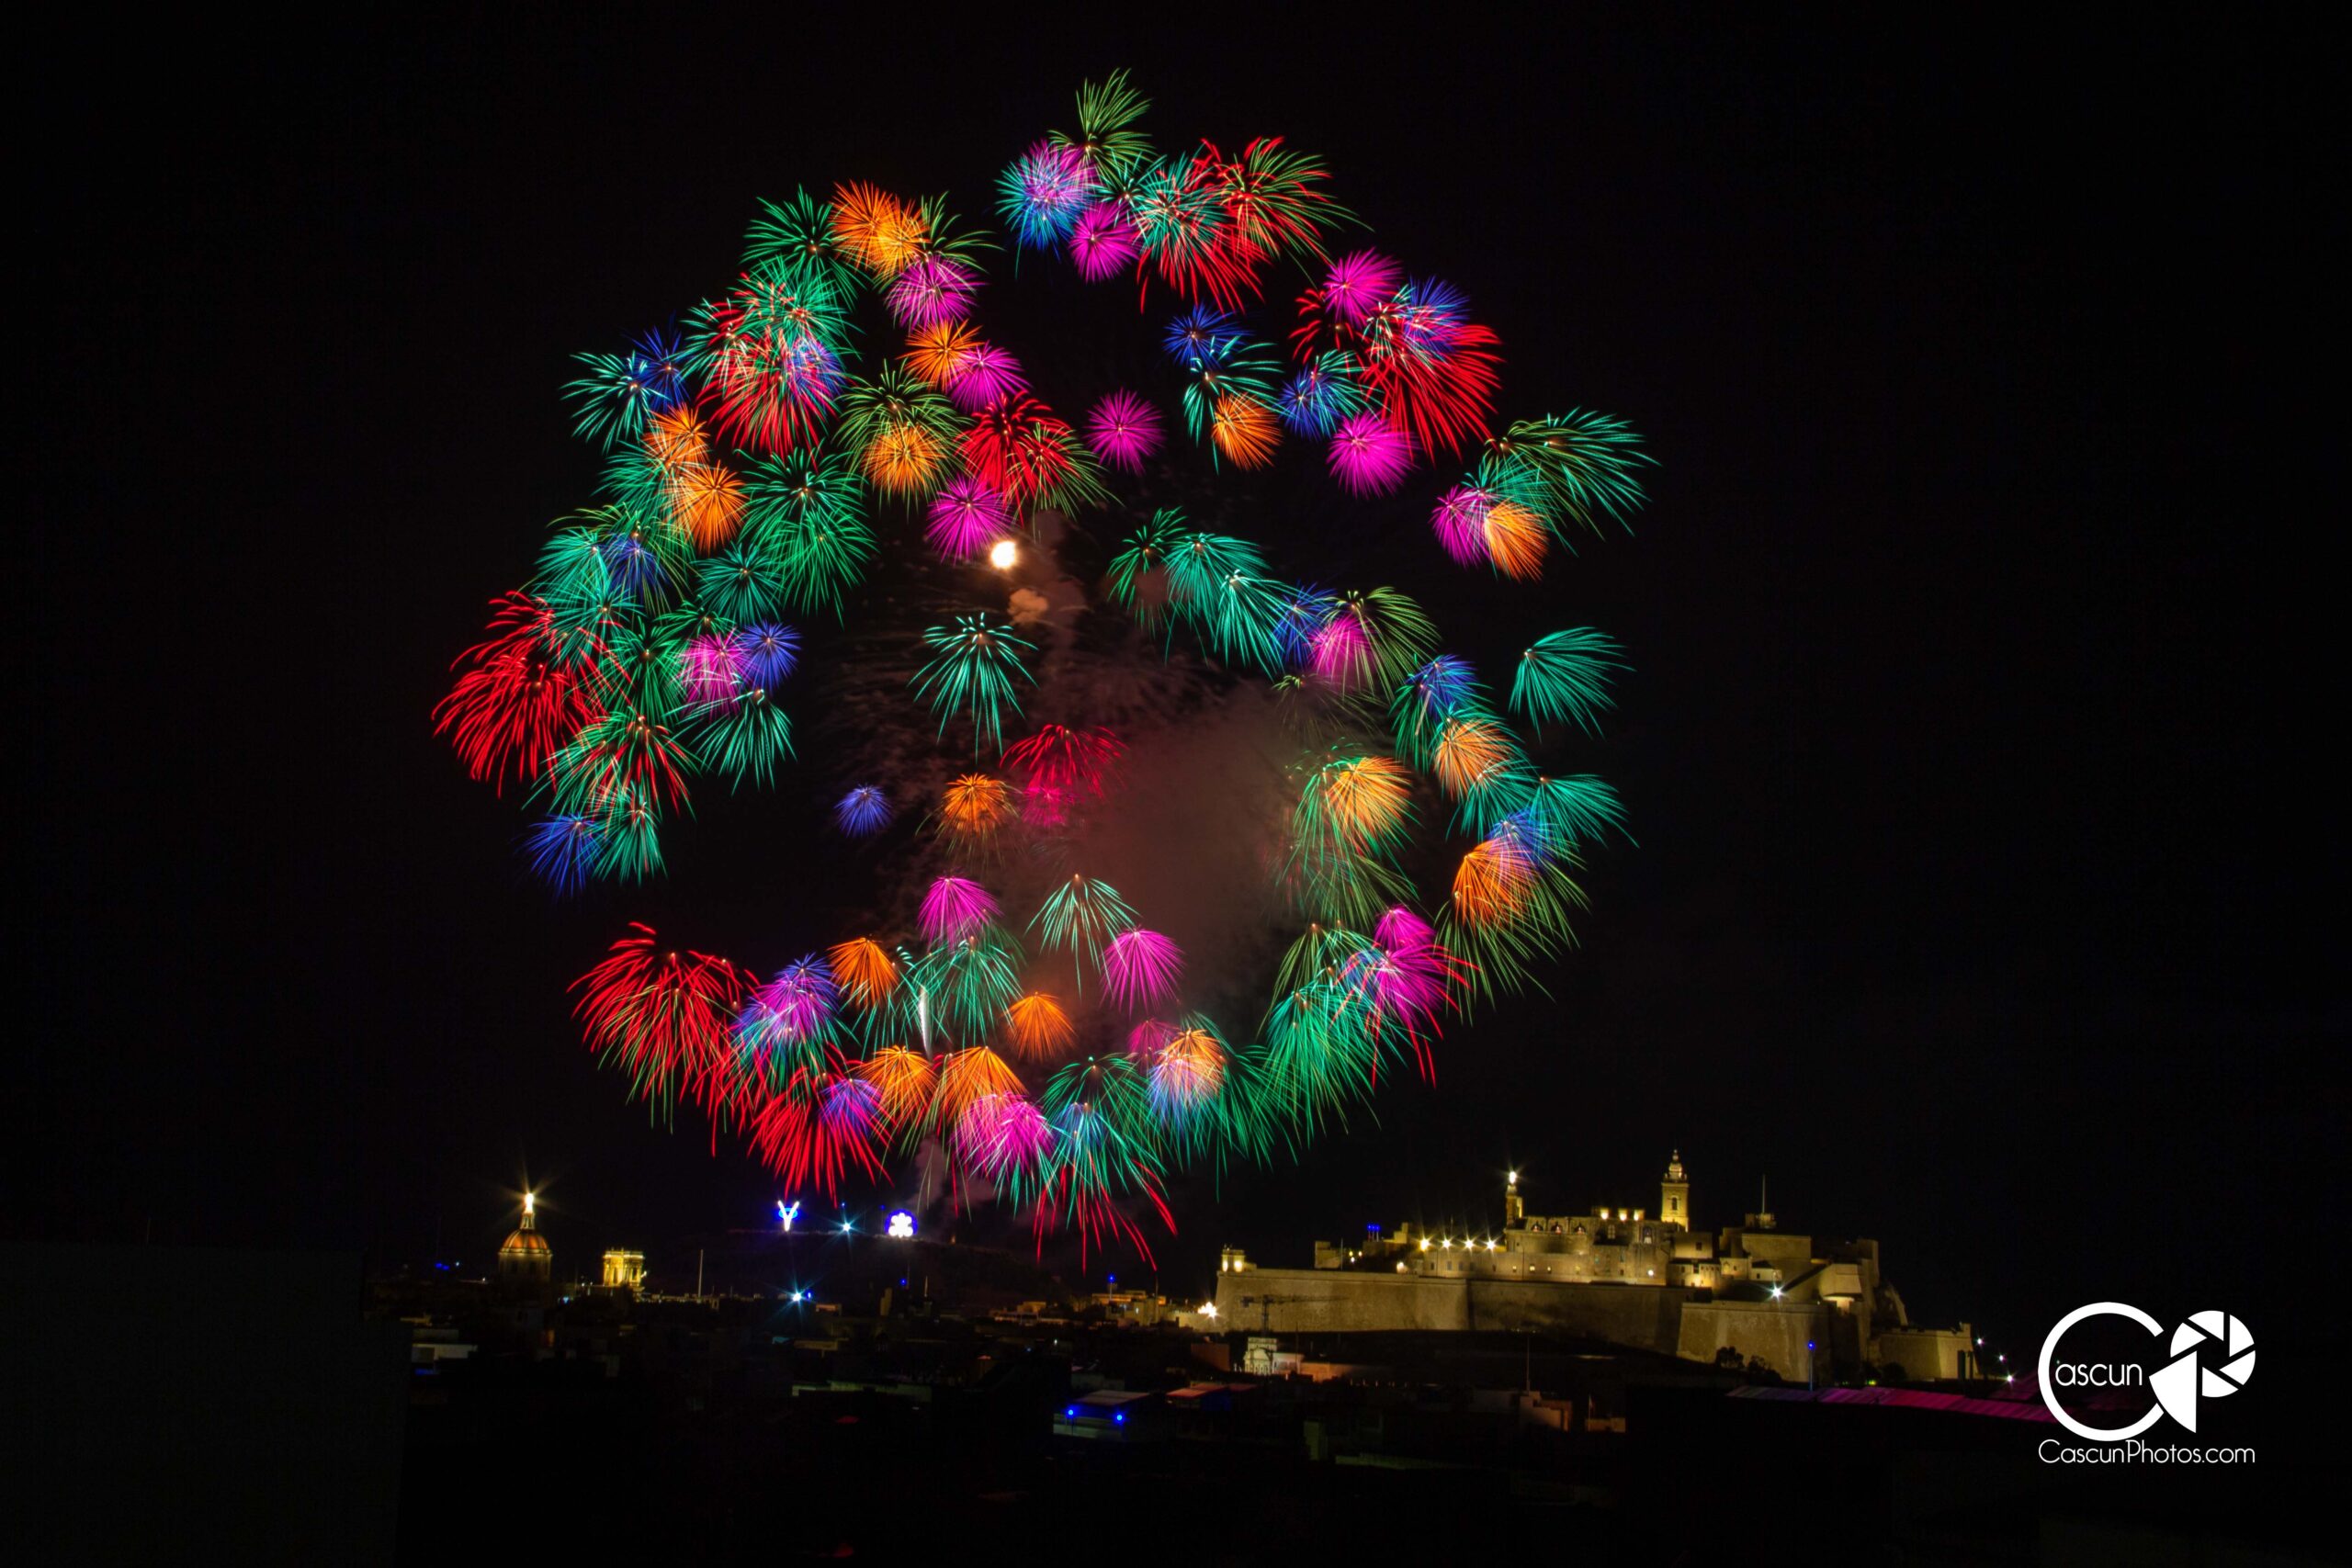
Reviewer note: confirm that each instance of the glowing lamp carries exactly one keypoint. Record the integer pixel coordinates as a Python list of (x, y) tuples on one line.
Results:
[(1003, 554), (903, 1226)]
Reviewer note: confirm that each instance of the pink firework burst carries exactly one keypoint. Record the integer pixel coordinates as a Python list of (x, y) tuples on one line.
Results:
[(966, 516), (986, 375), (932, 292), (710, 669), (1146, 1038), (1124, 430), (1368, 455), (1103, 241), (1459, 522), (1000, 1134), (1407, 972), (1140, 968), (954, 908), (1044, 806), (800, 1003), (1358, 284), (1340, 652)]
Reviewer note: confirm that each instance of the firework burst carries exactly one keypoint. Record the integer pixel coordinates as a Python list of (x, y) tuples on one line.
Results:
[(760, 476)]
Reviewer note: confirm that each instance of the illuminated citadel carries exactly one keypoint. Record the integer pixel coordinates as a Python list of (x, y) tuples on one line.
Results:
[(1649, 1280)]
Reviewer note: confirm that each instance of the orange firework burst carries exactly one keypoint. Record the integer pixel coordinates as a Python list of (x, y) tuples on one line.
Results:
[(906, 460), (1493, 883), (876, 230), (1466, 749), (936, 353), (1515, 539), (706, 500), (863, 966), (1368, 796), (975, 805), (1189, 1068), (1245, 431), (675, 437), (904, 1078), (1038, 1027), (967, 1075)]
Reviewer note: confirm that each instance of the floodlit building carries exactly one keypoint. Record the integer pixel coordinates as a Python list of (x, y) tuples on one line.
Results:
[(1629, 1274), (526, 1262), (624, 1269)]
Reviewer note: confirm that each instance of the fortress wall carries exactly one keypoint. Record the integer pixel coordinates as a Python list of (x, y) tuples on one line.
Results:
[(1328, 1301), (1763, 1330), (1647, 1317), (1924, 1353), (1297, 1300)]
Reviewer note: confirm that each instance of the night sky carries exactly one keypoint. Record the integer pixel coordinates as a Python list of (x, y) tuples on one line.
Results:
[(1987, 893)]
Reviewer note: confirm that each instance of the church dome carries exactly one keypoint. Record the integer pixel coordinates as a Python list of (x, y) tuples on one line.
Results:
[(524, 1244)]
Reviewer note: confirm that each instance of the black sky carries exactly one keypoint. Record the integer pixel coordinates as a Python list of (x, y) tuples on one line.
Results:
[(1987, 887)]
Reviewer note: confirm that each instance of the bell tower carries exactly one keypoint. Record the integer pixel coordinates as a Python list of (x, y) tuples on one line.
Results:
[(1514, 1211), (1674, 1193)]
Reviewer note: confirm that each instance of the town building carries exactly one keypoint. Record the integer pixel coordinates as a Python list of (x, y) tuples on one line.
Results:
[(526, 1262), (624, 1269), (1751, 1293)]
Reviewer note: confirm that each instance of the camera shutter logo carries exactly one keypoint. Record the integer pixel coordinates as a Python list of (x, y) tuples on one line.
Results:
[(2180, 1383)]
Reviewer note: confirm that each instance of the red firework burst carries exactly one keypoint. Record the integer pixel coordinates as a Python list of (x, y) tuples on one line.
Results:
[(817, 1128), (669, 1017), (1020, 449), (517, 702)]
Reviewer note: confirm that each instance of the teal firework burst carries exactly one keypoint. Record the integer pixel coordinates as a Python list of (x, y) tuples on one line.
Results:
[(795, 237), (745, 580), (1577, 808), (1107, 113), (745, 738), (1586, 464), (1565, 675), (808, 512), (896, 400), (1081, 916), (1139, 579), (973, 668), (962, 987)]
